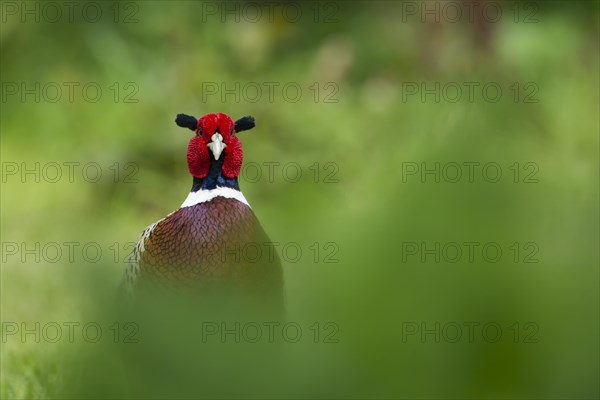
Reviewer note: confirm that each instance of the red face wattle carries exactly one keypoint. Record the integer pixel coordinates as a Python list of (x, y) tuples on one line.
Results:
[(208, 125), (215, 139)]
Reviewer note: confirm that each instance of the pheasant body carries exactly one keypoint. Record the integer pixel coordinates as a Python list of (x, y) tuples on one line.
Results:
[(201, 245)]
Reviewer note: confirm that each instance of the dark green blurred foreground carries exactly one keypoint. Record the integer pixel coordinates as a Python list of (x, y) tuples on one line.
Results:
[(386, 305)]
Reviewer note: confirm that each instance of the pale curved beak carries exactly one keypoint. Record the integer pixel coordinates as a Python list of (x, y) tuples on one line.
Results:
[(216, 145)]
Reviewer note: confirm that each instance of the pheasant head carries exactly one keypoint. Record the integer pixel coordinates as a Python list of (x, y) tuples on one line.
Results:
[(215, 151)]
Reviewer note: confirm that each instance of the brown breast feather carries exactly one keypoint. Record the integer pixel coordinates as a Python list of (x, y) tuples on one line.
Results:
[(217, 244)]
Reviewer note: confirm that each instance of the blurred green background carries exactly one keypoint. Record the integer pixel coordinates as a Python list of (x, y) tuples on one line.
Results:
[(357, 65)]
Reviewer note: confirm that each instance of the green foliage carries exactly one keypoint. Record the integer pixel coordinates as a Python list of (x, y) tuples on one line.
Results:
[(366, 60)]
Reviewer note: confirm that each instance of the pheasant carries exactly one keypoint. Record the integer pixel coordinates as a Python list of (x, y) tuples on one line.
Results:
[(204, 244)]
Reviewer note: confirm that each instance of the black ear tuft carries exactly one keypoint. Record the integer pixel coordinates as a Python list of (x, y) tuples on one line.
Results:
[(244, 123), (186, 121)]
